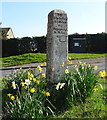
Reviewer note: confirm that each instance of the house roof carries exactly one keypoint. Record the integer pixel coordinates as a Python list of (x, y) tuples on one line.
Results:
[(5, 30)]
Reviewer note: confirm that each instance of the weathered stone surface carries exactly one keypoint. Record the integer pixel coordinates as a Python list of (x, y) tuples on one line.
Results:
[(57, 44)]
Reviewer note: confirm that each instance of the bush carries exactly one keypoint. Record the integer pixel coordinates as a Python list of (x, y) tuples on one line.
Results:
[(29, 95)]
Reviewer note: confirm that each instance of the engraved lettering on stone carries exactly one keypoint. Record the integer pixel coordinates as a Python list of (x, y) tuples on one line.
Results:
[(57, 44)]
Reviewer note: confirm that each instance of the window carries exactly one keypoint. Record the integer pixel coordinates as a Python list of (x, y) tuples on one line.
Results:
[(76, 44)]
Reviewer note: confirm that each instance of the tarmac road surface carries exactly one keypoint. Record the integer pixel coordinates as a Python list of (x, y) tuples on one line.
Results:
[(100, 62)]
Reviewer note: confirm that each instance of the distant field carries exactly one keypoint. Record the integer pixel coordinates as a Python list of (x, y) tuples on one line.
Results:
[(39, 57)]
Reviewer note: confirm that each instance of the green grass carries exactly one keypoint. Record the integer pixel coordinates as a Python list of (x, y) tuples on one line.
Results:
[(94, 107), (39, 57)]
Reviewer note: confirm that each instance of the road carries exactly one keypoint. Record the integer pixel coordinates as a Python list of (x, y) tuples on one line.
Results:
[(100, 62)]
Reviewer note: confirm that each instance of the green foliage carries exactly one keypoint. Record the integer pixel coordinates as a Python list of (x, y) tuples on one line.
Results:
[(94, 106), (27, 95), (23, 59), (39, 57), (80, 83)]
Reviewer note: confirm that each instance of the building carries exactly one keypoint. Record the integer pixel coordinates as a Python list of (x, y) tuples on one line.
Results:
[(6, 33)]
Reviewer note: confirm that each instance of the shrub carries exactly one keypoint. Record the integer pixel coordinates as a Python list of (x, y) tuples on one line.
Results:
[(79, 83), (27, 94)]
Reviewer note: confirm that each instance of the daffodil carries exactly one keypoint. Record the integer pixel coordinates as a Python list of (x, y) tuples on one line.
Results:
[(22, 83), (38, 82), (53, 69), (34, 79), (82, 68), (59, 86), (89, 65), (40, 70), (80, 62), (95, 89), (84, 63), (32, 90), (69, 58), (95, 67), (63, 64), (67, 61), (28, 73), (13, 85), (103, 73), (27, 81), (47, 94), (66, 71), (39, 67), (45, 64), (75, 66), (31, 75), (9, 94), (62, 85), (12, 97), (41, 64), (43, 75), (25, 87), (70, 62)]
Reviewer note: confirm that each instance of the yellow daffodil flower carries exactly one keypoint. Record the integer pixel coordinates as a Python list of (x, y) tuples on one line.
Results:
[(84, 63), (67, 62), (80, 62), (103, 73), (75, 66), (45, 64), (70, 62), (89, 65), (31, 75), (38, 82), (28, 73), (41, 64), (82, 68), (53, 69), (22, 83), (95, 89), (34, 79), (95, 67), (9, 94), (13, 85), (43, 75), (40, 70), (66, 71), (69, 58), (25, 87), (47, 94), (12, 97), (32, 90), (63, 64), (20, 68)]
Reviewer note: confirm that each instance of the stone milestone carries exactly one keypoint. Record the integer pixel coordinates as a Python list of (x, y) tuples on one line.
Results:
[(57, 45)]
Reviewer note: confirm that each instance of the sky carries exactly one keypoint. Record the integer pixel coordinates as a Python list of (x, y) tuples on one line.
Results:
[(30, 18)]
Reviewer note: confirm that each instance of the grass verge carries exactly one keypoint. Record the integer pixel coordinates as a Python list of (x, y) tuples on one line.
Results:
[(39, 57), (94, 107)]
